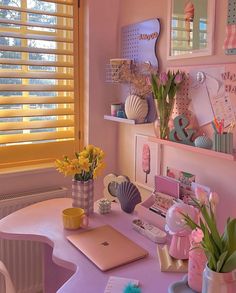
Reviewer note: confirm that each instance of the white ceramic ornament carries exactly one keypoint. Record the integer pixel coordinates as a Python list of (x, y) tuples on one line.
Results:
[(203, 142), (136, 108), (111, 183)]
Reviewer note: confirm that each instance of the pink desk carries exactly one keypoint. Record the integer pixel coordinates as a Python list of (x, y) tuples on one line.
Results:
[(69, 271)]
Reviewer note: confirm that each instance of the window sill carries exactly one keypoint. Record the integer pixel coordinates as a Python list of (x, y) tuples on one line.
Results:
[(28, 169)]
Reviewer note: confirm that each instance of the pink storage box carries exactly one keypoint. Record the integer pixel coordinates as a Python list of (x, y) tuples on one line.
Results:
[(151, 217)]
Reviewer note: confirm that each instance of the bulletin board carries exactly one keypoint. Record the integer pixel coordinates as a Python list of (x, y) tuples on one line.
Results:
[(209, 91), (139, 41)]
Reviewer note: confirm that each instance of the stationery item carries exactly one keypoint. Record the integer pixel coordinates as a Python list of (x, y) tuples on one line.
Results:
[(152, 217), (210, 97), (223, 142), (167, 185), (74, 218), (118, 285), (185, 179), (106, 247), (162, 203), (231, 127), (149, 231), (168, 263)]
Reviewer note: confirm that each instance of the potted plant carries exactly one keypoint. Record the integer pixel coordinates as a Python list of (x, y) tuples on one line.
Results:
[(164, 88), (219, 275), (84, 168)]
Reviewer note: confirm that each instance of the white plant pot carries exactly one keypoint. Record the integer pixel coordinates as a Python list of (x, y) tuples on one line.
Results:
[(136, 108), (214, 282)]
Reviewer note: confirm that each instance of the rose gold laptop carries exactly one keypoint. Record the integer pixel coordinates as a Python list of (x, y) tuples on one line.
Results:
[(106, 247)]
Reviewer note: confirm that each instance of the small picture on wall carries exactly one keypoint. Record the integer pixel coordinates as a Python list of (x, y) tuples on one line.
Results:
[(147, 161)]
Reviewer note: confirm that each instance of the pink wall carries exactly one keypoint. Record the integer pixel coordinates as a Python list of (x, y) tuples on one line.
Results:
[(217, 173), (101, 45)]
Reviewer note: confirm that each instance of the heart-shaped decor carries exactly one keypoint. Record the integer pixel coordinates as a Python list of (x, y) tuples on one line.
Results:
[(111, 185), (113, 188)]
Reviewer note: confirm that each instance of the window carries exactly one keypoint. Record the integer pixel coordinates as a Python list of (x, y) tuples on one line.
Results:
[(38, 80)]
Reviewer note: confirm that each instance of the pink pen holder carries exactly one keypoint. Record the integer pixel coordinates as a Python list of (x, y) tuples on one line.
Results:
[(179, 247)]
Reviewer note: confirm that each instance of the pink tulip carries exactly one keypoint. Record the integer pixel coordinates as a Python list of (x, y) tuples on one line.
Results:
[(178, 78), (163, 78), (201, 195), (214, 198), (197, 235)]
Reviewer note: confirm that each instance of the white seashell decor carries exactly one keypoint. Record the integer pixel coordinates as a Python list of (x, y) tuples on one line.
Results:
[(136, 108)]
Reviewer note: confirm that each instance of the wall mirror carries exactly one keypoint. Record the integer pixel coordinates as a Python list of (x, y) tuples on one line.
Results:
[(190, 28)]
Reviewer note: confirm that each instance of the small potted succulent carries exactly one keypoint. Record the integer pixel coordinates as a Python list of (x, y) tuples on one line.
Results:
[(220, 273)]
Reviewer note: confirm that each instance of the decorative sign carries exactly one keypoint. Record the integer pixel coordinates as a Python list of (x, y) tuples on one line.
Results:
[(180, 133), (139, 41), (229, 77)]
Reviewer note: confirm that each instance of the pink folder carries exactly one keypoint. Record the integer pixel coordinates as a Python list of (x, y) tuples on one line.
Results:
[(167, 185)]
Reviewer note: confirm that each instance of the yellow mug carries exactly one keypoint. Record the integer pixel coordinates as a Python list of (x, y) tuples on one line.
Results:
[(74, 218)]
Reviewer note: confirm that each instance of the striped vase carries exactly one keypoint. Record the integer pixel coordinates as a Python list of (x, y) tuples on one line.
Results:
[(83, 195)]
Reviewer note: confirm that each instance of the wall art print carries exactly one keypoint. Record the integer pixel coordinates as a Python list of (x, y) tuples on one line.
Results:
[(147, 161)]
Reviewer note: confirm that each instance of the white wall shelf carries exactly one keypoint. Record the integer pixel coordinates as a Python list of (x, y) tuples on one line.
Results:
[(118, 119), (193, 149)]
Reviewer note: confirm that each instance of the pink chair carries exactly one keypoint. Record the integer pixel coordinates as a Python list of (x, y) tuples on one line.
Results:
[(8, 282)]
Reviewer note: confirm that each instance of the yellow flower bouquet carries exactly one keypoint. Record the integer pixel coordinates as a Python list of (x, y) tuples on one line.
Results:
[(86, 165)]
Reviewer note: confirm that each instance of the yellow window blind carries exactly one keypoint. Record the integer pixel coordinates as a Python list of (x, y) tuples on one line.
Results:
[(38, 80)]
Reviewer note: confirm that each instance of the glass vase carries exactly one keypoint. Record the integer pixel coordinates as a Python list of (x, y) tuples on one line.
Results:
[(164, 110), (83, 195)]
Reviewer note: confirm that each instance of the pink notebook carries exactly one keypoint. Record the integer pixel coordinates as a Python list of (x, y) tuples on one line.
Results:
[(167, 185)]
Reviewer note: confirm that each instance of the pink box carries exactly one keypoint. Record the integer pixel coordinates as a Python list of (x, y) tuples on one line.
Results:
[(153, 218), (167, 185)]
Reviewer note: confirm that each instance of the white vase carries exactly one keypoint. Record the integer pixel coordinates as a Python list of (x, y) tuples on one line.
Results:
[(214, 282), (136, 108), (83, 195)]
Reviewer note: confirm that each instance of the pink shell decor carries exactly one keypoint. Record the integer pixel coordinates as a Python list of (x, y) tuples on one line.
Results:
[(129, 196)]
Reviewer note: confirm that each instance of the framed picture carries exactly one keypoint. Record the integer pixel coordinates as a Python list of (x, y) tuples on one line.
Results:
[(147, 161), (190, 28)]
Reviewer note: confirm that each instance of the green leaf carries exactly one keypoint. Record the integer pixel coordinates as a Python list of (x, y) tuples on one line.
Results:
[(154, 86), (209, 246), (229, 236), (221, 260), (190, 222), (230, 263), (212, 227)]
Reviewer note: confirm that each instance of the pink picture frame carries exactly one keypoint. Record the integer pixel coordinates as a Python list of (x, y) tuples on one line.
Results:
[(147, 161)]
